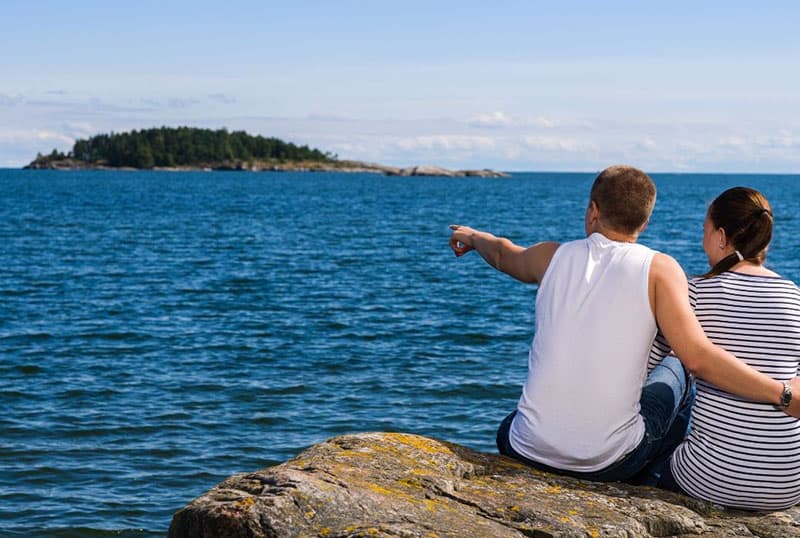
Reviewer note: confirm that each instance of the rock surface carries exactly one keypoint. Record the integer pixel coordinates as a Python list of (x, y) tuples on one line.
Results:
[(401, 485)]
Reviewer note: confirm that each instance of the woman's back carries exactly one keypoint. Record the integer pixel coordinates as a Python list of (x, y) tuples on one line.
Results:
[(740, 453)]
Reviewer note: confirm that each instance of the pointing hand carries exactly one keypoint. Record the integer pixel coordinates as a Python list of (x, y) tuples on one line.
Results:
[(461, 239)]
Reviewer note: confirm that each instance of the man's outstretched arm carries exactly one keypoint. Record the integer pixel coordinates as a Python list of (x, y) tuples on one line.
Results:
[(704, 359), (524, 264)]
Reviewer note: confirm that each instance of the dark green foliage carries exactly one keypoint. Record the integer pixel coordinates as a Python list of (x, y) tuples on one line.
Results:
[(188, 146)]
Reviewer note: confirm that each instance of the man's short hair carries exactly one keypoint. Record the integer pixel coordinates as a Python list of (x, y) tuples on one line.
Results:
[(625, 197)]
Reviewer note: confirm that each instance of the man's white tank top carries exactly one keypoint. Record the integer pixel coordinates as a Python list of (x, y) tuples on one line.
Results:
[(587, 364)]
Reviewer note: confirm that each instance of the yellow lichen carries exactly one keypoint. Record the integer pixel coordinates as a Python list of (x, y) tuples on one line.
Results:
[(245, 503), (360, 453), (553, 489), (426, 445), (396, 494), (431, 505), (379, 489), (324, 531)]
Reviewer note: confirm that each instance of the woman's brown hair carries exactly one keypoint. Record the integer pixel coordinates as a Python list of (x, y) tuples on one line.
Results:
[(746, 217)]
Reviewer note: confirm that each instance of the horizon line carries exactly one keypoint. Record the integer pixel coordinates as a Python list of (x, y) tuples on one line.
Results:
[(595, 171)]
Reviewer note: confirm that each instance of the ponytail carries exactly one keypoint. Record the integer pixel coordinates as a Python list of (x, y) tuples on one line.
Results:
[(745, 216)]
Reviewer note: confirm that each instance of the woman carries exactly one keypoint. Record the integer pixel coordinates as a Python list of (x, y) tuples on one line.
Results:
[(740, 453)]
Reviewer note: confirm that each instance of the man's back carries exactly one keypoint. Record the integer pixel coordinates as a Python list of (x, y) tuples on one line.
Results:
[(579, 409)]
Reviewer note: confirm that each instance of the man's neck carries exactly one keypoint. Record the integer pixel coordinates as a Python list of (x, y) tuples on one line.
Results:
[(618, 236)]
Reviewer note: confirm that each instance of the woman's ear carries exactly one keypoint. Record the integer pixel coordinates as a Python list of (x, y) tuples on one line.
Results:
[(723, 238)]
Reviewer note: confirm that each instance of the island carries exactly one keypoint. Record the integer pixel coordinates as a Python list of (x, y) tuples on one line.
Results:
[(191, 148)]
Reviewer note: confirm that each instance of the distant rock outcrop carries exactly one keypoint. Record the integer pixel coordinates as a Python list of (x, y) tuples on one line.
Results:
[(401, 485), (428, 170), (67, 163)]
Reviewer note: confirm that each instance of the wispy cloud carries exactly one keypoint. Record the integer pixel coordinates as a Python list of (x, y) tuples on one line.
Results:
[(647, 144), (446, 142), (20, 146), (28, 135), (492, 120), (783, 139), (499, 139), (10, 100), (170, 103), (555, 143), (223, 98)]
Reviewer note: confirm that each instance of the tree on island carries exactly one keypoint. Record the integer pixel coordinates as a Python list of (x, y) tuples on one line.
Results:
[(184, 146), (190, 148)]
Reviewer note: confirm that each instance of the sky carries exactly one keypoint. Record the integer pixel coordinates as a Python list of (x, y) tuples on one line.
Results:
[(667, 86)]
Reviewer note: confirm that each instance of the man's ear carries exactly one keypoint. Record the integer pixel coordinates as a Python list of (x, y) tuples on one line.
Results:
[(644, 226), (593, 212)]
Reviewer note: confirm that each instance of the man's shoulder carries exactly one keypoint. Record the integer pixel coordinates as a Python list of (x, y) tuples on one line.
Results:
[(665, 260), (663, 266)]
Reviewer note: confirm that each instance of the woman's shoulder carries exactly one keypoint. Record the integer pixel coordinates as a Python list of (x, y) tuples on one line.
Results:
[(745, 284), (767, 277)]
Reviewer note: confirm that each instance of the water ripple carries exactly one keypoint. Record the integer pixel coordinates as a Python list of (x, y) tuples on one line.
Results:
[(160, 332)]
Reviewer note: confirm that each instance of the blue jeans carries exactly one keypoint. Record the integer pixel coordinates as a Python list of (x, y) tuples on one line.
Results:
[(666, 403)]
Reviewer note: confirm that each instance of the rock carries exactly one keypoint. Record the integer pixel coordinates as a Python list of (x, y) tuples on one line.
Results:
[(484, 173), (428, 170), (400, 485)]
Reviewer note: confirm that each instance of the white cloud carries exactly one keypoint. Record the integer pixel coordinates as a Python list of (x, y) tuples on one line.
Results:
[(538, 141), (10, 100), (545, 123), (784, 139), (692, 146), (34, 135), (445, 142), (80, 129), (492, 120), (733, 142), (223, 98), (648, 144), (554, 143), (348, 148)]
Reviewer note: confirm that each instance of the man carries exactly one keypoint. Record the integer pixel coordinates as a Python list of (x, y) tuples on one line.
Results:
[(588, 407)]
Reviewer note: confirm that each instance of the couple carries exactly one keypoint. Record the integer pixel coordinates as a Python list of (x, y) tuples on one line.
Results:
[(610, 388)]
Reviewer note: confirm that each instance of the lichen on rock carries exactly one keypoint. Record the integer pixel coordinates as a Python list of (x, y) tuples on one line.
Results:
[(401, 485)]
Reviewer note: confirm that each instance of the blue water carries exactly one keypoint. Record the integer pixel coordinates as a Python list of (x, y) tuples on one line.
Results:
[(161, 331)]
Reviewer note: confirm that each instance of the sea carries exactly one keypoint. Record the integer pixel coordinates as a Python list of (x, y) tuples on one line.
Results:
[(160, 331)]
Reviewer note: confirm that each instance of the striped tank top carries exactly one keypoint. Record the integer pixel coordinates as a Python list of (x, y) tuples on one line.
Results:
[(740, 453)]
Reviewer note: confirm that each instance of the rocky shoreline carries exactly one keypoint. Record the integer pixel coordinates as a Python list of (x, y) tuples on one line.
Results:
[(397, 485), (265, 166)]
